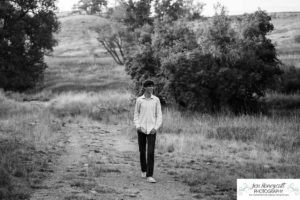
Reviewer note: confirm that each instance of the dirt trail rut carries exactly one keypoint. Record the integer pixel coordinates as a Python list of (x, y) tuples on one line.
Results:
[(100, 162)]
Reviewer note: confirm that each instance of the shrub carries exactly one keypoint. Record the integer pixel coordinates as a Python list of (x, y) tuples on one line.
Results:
[(290, 80), (4, 177), (283, 101), (297, 38)]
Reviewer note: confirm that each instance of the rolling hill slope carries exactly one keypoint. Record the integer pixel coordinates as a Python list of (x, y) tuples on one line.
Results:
[(286, 30), (79, 62)]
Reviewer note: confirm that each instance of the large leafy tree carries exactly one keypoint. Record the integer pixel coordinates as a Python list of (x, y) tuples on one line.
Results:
[(230, 68), (26, 35)]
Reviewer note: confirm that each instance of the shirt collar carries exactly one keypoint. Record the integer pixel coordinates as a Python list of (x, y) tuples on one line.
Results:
[(151, 97)]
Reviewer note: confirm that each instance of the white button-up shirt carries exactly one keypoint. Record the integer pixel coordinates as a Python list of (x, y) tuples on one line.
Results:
[(147, 113)]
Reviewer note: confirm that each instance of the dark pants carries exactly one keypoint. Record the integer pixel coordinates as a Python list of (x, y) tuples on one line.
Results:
[(144, 139)]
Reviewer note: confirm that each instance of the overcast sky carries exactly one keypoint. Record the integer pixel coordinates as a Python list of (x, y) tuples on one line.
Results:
[(233, 6)]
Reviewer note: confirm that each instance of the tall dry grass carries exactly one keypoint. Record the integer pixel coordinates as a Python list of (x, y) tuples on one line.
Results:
[(278, 135), (274, 138), (27, 131), (108, 106), (209, 152), (182, 132)]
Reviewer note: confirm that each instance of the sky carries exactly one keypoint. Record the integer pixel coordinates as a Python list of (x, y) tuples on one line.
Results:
[(234, 7)]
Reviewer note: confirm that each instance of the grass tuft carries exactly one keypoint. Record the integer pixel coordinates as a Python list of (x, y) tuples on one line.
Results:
[(235, 133)]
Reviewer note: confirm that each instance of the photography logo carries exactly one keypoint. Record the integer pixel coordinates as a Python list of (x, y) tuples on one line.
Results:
[(264, 189)]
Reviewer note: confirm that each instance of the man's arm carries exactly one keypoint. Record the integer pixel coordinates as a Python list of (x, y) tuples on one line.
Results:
[(158, 121), (136, 114)]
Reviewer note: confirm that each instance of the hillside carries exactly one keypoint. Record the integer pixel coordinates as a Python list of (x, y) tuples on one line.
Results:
[(286, 29), (76, 37), (79, 62)]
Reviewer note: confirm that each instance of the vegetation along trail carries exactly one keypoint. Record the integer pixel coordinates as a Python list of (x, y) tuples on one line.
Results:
[(100, 162)]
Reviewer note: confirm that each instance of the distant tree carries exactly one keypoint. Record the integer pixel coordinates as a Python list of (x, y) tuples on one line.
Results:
[(297, 38), (121, 36), (193, 9), (119, 11), (142, 12), (113, 37), (92, 6), (176, 9), (221, 35), (135, 13), (26, 35), (173, 9)]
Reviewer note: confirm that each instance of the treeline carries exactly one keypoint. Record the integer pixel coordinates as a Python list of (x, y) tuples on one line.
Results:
[(208, 65)]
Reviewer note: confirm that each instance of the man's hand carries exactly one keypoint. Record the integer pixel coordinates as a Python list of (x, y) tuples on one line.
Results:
[(153, 131)]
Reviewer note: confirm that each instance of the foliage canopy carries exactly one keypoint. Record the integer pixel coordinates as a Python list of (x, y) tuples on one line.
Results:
[(26, 35), (228, 66)]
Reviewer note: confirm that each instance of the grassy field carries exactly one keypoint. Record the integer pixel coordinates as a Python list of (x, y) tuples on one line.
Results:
[(82, 80), (79, 63), (29, 143)]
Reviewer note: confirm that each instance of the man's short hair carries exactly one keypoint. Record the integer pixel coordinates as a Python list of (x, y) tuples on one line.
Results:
[(148, 83)]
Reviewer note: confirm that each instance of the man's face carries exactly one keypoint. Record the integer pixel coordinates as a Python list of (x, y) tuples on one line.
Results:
[(149, 89)]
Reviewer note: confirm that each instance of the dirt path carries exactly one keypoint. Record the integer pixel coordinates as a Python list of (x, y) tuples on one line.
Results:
[(101, 162)]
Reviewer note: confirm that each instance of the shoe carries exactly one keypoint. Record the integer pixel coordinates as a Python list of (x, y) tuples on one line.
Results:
[(151, 180), (143, 174)]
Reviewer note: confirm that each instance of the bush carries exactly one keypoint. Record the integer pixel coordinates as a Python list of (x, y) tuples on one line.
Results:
[(290, 81), (297, 38), (4, 177), (283, 101)]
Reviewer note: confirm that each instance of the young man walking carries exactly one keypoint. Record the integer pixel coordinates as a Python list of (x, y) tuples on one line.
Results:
[(147, 120)]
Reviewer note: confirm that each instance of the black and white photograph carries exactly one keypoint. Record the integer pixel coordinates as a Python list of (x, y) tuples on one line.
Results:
[(149, 99)]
